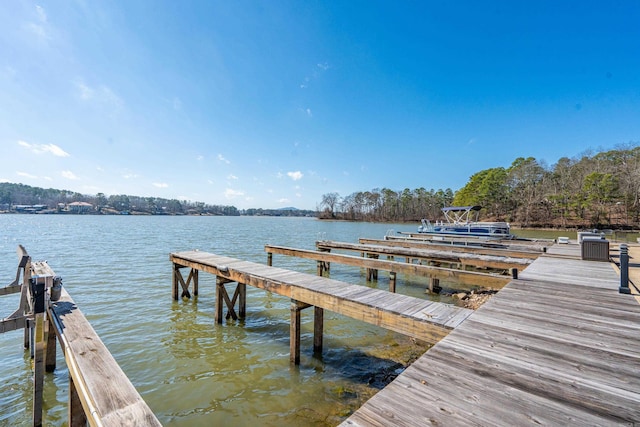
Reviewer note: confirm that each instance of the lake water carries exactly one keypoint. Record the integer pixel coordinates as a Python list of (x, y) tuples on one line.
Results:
[(189, 370)]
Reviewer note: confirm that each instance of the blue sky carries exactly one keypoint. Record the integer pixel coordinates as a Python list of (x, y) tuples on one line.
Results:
[(275, 103)]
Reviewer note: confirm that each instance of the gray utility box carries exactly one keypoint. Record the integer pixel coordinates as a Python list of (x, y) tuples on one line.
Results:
[(595, 249)]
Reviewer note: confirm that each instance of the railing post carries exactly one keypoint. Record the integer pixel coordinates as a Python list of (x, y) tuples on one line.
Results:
[(624, 269), (38, 292)]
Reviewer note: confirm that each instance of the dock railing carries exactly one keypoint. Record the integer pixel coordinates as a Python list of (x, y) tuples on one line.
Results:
[(624, 269), (100, 394)]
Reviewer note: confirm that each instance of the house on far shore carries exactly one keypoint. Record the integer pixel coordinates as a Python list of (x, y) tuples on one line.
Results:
[(79, 207)]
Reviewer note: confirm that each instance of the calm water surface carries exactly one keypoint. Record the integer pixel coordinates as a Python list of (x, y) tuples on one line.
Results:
[(191, 371)]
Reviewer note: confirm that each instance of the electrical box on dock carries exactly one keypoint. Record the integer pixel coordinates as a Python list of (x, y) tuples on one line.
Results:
[(595, 249)]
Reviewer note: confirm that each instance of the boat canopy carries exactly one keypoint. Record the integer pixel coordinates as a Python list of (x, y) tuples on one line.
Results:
[(461, 208), (460, 214)]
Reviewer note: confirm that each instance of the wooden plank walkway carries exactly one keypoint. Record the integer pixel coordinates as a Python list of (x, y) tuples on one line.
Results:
[(444, 256), (422, 319), (408, 242), (514, 244), (460, 277), (557, 347)]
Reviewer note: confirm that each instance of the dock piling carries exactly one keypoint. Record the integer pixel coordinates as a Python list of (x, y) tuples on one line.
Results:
[(624, 269)]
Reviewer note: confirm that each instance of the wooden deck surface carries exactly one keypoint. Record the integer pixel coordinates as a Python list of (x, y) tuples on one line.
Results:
[(459, 276), (411, 242), (559, 346), (422, 319), (442, 255)]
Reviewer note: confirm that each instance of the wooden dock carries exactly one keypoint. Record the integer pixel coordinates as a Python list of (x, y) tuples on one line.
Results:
[(559, 346), (324, 259), (422, 319), (460, 259), (100, 394), (530, 252)]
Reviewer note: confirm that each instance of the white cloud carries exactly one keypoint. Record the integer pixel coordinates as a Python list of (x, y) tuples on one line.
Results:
[(308, 111), (130, 176), (222, 159), (297, 175), (26, 175), (160, 184), (283, 200), (38, 30), (200, 158), (85, 91), (48, 178), (44, 148), (42, 15), (69, 175), (4, 180), (231, 194), (210, 181), (232, 177), (324, 66), (298, 195), (101, 94)]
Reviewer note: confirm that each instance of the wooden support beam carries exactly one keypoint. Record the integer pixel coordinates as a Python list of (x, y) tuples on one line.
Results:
[(392, 281), (12, 323), (434, 285), (220, 281), (326, 265), (294, 333), (177, 278), (50, 349), (39, 348), (318, 326), (174, 282), (242, 300), (231, 312), (25, 302), (194, 277), (222, 297), (10, 289), (269, 259), (75, 412)]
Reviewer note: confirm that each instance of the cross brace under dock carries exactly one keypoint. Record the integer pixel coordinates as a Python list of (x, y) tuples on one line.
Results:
[(422, 319)]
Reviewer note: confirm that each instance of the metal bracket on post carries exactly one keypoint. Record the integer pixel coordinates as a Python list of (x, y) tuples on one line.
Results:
[(624, 269)]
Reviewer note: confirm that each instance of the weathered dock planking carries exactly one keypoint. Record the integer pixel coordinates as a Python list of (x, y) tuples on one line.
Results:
[(559, 346), (422, 319), (470, 241), (405, 242), (461, 277), (443, 256)]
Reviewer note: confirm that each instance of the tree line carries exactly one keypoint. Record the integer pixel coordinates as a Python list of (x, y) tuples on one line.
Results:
[(592, 190), (19, 194)]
